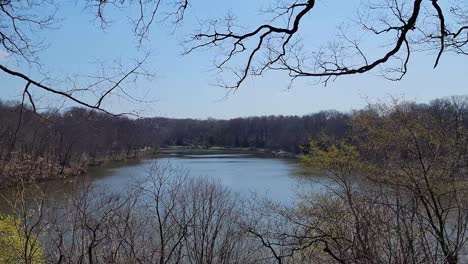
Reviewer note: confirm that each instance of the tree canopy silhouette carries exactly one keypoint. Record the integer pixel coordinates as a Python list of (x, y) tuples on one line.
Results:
[(392, 29)]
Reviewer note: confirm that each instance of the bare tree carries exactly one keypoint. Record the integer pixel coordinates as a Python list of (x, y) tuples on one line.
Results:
[(22, 27), (165, 217), (394, 29), (397, 28)]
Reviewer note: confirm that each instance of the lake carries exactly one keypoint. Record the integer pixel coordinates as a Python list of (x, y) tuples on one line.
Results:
[(247, 173)]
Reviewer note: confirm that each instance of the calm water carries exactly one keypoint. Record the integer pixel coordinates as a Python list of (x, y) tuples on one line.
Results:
[(274, 178), (245, 173)]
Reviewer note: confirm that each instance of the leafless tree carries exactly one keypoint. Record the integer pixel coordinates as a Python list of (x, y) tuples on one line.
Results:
[(21, 39), (165, 217), (395, 28)]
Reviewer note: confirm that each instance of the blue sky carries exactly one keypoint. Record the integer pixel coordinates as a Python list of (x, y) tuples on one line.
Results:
[(183, 84)]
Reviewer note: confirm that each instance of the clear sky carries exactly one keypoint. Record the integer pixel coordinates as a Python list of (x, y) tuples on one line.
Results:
[(183, 84)]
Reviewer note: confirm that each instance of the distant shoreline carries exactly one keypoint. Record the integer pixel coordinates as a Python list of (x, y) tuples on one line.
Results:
[(217, 149)]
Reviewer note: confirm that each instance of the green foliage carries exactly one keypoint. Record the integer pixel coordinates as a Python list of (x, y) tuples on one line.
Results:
[(328, 154), (412, 159), (14, 246)]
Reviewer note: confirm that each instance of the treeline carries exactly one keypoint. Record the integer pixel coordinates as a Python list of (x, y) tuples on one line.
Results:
[(58, 144), (63, 142), (271, 132)]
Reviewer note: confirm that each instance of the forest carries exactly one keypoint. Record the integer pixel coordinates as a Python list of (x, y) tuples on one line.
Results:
[(395, 192)]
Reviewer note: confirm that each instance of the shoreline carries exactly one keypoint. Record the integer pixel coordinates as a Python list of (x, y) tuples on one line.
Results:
[(80, 169)]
